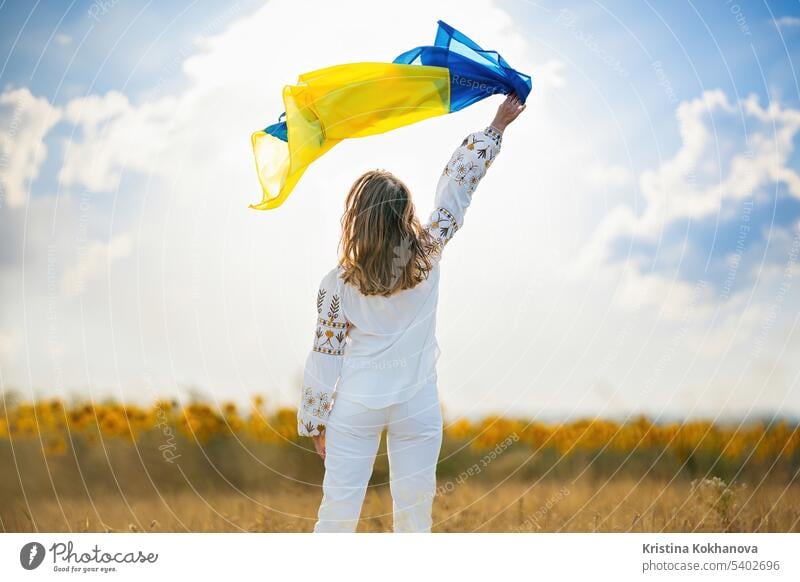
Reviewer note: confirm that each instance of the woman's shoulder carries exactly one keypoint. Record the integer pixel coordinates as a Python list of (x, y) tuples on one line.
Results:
[(333, 278)]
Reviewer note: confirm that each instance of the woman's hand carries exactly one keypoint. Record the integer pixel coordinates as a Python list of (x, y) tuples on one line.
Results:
[(508, 111), (319, 443)]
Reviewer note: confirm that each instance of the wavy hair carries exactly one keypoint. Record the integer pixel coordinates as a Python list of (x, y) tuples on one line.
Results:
[(383, 245)]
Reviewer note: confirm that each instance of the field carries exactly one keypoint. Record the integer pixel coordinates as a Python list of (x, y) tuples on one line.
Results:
[(113, 467)]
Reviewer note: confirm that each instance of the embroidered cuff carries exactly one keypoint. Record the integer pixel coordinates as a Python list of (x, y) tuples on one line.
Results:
[(494, 134), (443, 224), (314, 412), (309, 428)]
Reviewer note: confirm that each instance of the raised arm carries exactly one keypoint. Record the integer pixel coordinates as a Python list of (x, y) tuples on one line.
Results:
[(464, 171)]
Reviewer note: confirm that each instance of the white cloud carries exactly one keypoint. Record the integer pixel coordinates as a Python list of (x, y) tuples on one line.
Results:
[(114, 136), (674, 299), (714, 165), (90, 262), (608, 175), (695, 182), (24, 122), (88, 112), (787, 22)]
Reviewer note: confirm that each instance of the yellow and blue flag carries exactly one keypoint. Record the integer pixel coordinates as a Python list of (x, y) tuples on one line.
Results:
[(361, 99)]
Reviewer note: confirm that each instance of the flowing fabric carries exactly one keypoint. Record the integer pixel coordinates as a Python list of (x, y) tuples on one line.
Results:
[(363, 99)]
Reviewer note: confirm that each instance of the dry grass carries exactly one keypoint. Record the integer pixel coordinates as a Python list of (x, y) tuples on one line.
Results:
[(114, 467), (620, 506)]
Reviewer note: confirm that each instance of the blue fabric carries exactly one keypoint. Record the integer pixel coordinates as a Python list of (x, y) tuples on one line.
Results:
[(278, 130), (475, 73)]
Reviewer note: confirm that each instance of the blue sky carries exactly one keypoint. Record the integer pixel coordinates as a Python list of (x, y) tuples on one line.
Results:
[(124, 46), (644, 218)]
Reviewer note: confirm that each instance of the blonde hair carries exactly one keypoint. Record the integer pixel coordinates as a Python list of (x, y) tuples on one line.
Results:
[(383, 245)]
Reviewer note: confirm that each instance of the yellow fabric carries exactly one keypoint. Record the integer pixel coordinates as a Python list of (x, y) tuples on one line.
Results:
[(340, 102)]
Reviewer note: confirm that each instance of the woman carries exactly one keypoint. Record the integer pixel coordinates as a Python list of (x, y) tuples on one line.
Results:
[(375, 343)]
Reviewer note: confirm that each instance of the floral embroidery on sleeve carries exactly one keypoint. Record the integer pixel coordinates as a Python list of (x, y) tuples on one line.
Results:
[(316, 407), (332, 332), (467, 170), (442, 227), (321, 300), (323, 364), (459, 180)]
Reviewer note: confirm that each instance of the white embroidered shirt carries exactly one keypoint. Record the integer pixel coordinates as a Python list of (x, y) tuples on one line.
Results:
[(379, 350)]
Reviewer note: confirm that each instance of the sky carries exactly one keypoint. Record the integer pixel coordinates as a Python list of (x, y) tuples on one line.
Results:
[(633, 250)]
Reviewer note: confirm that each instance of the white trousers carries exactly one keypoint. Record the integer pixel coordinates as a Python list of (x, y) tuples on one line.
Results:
[(353, 433)]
